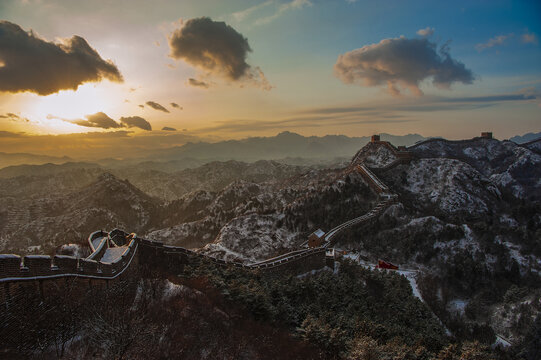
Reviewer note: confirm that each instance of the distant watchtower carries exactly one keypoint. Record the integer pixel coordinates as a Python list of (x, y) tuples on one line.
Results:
[(486, 135), (375, 138)]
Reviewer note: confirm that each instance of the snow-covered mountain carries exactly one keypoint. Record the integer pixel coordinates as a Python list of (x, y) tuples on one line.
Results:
[(512, 167), (467, 217)]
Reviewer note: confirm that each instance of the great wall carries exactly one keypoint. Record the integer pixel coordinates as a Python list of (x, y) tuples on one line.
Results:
[(115, 252)]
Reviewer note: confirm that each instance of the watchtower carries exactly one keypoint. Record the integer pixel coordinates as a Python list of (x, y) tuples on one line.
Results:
[(486, 135)]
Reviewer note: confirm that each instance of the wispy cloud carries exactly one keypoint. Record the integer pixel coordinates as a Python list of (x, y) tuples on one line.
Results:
[(492, 98), (495, 41), (428, 31), (243, 14), (283, 9), (529, 38), (386, 112), (14, 117)]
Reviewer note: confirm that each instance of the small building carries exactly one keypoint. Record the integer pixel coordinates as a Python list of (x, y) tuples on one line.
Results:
[(316, 239), (486, 135), (375, 138), (402, 148), (386, 265)]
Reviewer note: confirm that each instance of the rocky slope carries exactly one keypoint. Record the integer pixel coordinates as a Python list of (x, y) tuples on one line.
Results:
[(515, 169)]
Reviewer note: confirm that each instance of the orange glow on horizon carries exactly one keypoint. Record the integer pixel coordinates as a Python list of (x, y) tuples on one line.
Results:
[(53, 112)]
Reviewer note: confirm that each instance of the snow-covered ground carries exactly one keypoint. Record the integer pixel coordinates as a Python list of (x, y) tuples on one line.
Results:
[(71, 249), (113, 253), (252, 238), (96, 242), (451, 185), (457, 306)]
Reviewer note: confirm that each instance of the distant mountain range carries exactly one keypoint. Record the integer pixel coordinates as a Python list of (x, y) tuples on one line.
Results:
[(287, 147), (290, 147), (7, 159), (526, 138), (283, 145)]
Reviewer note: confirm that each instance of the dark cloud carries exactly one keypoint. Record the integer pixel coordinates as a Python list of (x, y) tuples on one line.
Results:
[(98, 120), (101, 120), (141, 106), (216, 48), (198, 83), (175, 105), (156, 106), (167, 128), (33, 64), (401, 61), (135, 121), (14, 117)]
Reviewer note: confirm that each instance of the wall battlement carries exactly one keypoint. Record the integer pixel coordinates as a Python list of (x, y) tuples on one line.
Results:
[(14, 268)]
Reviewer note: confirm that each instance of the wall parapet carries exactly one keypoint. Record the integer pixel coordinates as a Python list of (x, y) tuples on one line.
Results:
[(37, 267), (97, 252)]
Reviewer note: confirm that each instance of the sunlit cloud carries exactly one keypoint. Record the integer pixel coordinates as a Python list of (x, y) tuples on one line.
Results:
[(401, 62), (426, 32), (33, 64)]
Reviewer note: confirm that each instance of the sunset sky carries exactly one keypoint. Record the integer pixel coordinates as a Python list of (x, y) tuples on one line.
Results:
[(161, 73)]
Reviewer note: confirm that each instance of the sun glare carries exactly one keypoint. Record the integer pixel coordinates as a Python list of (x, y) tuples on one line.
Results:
[(58, 109)]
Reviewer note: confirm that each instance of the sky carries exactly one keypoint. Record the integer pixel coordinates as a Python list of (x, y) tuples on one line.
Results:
[(76, 75)]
